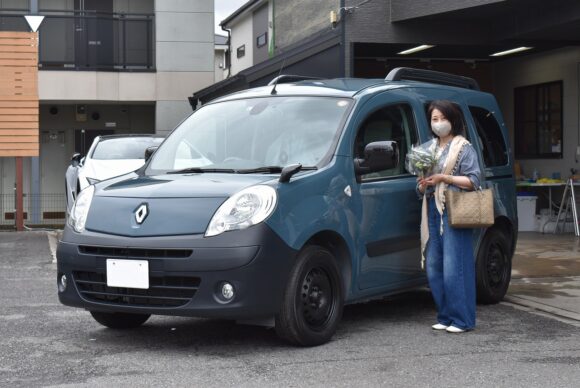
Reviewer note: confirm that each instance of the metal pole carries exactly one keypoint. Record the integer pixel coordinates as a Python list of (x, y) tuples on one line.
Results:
[(19, 196)]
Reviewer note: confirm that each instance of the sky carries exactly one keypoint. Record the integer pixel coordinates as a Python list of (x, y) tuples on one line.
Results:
[(223, 9)]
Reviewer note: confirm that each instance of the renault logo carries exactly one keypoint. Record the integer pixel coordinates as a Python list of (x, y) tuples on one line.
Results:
[(141, 213)]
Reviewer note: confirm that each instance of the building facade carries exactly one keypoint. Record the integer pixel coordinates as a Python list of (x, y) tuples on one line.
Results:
[(107, 67), (537, 84)]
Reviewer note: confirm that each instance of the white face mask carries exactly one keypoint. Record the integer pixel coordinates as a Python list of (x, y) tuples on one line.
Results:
[(441, 128)]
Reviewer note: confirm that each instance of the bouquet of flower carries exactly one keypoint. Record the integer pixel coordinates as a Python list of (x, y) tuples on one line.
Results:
[(421, 160)]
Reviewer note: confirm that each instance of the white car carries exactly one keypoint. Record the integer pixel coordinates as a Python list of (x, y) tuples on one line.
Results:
[(108, 157)]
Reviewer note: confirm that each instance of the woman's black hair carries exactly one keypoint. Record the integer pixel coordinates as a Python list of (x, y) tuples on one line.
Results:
[(451, 113)]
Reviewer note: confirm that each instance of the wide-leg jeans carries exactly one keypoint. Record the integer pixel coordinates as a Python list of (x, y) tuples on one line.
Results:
[(451, 271)]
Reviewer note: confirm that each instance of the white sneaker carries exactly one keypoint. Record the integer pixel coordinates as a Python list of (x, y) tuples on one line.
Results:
[(453, 329), (439, 326)]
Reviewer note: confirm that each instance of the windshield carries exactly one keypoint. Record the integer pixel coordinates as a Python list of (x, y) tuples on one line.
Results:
[(124, 148), (253, 133)]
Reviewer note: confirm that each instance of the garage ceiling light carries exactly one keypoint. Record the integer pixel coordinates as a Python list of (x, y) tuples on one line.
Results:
[(415, 49), (512, 51)]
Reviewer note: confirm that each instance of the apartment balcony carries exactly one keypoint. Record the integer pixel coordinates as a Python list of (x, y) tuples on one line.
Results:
[(89, 40)]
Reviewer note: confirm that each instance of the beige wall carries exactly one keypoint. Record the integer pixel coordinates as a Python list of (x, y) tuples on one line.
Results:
[(242, 33), (562, 64)]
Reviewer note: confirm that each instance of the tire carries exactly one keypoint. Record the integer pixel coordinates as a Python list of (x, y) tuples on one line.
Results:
[(120, 320), (313, 299), (493, 267)]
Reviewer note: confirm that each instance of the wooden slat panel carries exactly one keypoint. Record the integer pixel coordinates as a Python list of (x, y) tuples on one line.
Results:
[(18, 49), (17, 55), (16, 118), (19, 71), (22, 92), (16, 42), (23, 153), (16, 34), (19, 104), (19, 146), (19, 98), (18, 139), (12, 126), (18, 62), (18, 111)]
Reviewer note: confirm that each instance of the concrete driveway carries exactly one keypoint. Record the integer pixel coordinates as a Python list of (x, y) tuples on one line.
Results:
[(381, 343)]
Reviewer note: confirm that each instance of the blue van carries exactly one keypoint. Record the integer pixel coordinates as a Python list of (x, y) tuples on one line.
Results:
[(281, 204)]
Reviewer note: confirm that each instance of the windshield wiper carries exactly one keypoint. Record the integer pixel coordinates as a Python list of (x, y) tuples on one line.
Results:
[(201, 170), (268, 169)]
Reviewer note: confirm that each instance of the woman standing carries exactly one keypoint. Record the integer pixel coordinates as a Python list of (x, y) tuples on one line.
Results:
[(449, 251)]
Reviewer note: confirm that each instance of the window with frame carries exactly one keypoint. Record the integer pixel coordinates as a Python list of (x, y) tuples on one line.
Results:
[(241, 51), (390, 123), (490, 137), (261, 40), (538, 121)]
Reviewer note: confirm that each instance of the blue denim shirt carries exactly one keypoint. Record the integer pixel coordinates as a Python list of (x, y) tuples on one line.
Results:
[(467, 166)]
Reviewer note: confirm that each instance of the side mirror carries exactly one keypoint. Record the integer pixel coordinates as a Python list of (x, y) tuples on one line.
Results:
[(149, 151), (378, 156), (76, 159)]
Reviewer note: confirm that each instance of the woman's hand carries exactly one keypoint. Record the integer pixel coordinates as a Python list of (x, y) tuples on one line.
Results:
[(433, 180)]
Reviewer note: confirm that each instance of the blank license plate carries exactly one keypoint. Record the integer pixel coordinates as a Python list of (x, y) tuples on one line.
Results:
[(128, 273)]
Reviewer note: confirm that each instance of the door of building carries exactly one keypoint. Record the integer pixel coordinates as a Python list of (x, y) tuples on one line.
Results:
[(94, 34)]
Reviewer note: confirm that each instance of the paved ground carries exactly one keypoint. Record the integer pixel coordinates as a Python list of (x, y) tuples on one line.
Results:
[(386, 343), (546, 274)]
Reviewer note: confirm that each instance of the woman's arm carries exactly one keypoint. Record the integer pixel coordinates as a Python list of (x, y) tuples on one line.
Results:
[(456, 180)]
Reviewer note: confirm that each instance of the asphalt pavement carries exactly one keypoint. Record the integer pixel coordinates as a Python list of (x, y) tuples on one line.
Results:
[(381, 343)]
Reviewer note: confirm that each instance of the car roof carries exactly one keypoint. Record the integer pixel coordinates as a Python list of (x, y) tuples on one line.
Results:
[(121, 136), (338, 87)]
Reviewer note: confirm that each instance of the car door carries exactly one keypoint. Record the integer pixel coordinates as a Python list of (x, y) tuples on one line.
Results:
[(389, 238)]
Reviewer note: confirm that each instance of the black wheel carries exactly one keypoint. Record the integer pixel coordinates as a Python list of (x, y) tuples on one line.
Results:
[(493, 267), (120, 320), (313, 300)]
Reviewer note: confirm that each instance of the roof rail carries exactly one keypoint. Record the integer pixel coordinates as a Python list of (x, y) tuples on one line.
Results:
[(433, 77), (287, 78)]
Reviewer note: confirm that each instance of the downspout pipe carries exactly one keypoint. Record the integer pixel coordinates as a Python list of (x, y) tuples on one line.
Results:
[(229, 32)]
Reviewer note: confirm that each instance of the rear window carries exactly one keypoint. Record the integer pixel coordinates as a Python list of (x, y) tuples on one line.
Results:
[(124, 148), (490, 136)]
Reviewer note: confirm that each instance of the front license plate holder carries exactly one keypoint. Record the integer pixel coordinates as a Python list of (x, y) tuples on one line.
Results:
[(128, 273)]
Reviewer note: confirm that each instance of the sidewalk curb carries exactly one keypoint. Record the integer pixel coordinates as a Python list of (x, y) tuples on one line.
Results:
[(543, 307)]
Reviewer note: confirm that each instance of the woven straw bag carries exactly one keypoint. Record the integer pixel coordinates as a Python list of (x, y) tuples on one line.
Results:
[(470, 209)]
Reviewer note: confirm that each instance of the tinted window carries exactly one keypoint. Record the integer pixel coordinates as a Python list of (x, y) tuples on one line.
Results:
[(491, 139), (124, 148), (395, 122)]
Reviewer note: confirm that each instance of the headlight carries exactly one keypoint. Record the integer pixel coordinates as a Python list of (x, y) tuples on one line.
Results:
[(80, 210), (243, 209)]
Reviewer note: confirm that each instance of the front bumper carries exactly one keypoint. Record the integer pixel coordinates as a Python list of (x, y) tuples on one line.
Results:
[(186, 273)]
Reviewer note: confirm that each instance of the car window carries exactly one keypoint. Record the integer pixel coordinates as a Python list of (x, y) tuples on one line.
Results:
[(491, 139), (394, 122), (255, 132), (124, 148)]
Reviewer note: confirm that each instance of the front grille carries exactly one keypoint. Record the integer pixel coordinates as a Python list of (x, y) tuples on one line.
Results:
[(164, 291), (136, 252)]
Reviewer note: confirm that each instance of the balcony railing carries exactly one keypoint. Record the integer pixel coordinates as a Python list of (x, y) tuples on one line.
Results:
[(88, 40)]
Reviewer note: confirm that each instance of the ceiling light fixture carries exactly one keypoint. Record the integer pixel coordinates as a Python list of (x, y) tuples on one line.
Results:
[(415, 49), (512, 51)]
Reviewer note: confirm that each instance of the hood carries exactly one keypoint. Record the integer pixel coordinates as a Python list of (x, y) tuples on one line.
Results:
[(175, 204), (105, 169)]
